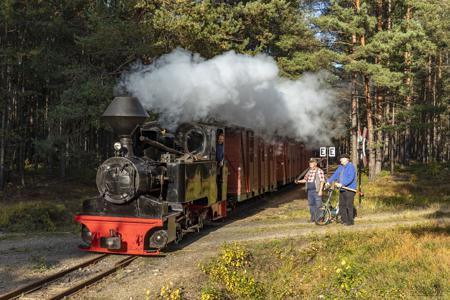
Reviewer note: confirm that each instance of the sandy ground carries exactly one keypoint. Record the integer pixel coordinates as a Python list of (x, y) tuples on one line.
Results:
[(24, 258)]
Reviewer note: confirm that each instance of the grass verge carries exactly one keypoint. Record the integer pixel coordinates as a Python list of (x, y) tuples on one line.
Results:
[(34, 216), (43, 208), (414, 187), (405, 263)]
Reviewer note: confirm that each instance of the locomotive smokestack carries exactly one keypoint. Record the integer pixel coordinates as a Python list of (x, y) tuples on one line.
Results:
[(123, 115)]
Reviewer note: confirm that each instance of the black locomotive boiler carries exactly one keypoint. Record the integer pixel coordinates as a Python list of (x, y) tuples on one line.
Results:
[(162, 184)]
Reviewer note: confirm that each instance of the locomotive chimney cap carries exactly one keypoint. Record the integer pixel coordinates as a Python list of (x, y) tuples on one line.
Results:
[(124, 114)]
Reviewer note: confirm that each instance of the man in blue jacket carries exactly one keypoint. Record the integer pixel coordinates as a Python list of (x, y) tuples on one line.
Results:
[(345, 176)]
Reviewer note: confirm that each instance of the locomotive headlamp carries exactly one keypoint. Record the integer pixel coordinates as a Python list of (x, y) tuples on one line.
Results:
[(117, 146), (159, 239), (112, 243), (86, 235)]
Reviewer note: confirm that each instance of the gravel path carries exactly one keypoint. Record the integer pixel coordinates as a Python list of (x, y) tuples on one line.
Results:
[(24, 259)]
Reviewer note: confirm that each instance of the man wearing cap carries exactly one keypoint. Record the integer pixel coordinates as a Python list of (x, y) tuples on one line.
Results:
[(345, 178), (314, 181)]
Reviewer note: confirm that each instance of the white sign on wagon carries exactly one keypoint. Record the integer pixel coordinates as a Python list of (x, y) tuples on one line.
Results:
[(323, 151), (331, 151)]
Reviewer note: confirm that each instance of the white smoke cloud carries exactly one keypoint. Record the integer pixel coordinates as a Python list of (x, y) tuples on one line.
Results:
[(236, 89)]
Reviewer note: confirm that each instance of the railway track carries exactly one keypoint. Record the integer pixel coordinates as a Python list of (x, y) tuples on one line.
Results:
[(60, 285)]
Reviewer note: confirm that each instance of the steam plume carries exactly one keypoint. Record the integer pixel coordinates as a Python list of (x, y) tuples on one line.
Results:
[(236, 89)]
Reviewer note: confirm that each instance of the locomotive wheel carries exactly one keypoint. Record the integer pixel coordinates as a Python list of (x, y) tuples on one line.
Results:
[(179, 234)]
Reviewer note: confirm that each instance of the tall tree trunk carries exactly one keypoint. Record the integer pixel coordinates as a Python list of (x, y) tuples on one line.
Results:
[(430, 116), (440, 143), (392, 143), (408, 98), (386, 136), (4, 77), (20, 121), (21, 162), (4, 84), (379, 98), (436, 116), (354, 100), (62, 152), (370, 131), (393, 133), (354, 114), (2, 149)]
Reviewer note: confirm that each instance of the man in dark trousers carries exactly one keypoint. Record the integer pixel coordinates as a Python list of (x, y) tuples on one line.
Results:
[(345, 176)]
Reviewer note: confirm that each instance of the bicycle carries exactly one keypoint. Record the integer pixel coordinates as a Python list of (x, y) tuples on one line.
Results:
[(327, 213)]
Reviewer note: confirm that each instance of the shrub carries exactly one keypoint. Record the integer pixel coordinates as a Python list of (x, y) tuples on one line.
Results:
[(230, 273), (349, 280), (33, 216), (168, 292), (212, 293)]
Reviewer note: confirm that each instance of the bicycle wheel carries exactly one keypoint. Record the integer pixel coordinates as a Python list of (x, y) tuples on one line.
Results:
[(322, 216), (338, 219)]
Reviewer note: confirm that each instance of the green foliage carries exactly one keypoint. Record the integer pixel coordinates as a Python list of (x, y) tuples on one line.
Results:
[(168, 292), (61, 61), (229, 273), (33, 216), (349, 280), (210, 28), (212, 293), (398, 57)]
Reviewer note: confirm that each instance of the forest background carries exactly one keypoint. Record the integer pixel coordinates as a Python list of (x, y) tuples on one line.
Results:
[(60, 61)]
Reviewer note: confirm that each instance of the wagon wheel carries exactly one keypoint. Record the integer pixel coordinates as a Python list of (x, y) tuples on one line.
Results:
[(200, 222)]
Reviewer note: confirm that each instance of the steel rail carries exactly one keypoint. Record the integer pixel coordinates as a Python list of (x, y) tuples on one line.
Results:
[(40, 283), (92, 280)]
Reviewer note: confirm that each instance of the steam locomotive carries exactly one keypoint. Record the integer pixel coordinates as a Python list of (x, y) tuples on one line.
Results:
[(162, 184)]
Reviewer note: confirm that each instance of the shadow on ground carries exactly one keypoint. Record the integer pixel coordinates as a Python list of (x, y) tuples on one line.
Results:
[(434, 229)]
